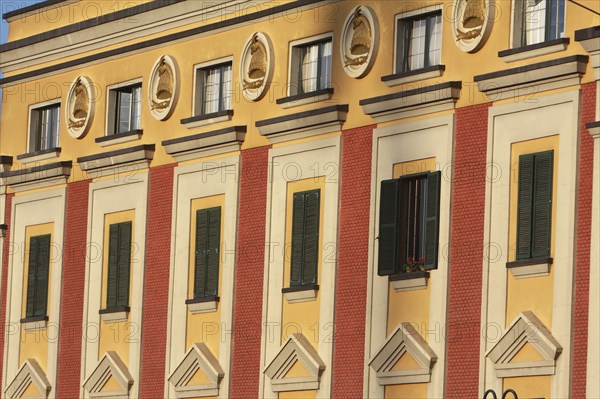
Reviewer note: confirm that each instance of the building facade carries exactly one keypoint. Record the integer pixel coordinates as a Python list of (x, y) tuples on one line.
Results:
[(300, 199)]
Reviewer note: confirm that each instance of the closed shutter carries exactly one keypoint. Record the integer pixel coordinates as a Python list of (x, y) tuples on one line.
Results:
[(119, 262), (298, 219), (212, 253), (31, 276), (113, 266), (542, 204), (311, 237), (200, 255), (388, 227), (524, 206), (432, 219), (37, 276)]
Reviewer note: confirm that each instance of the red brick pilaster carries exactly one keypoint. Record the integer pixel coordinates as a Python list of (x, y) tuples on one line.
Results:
[(156, 284), (247, 307), (7, 248), (73, 283), (353, 262), (466, 252), (582, 252)]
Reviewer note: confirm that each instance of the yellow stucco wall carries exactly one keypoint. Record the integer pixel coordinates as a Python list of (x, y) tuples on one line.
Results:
[(117, 336), (204, 327), (34, 344)]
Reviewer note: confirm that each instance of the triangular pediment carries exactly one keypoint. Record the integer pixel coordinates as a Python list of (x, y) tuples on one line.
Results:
[(110, 378), (198, 374), (296, 367), (526, 348), (30, 382), (404, 358)]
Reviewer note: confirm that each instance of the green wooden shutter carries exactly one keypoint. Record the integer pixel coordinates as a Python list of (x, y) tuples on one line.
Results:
[(388, 227), (200, 260), (432, 219), (31, 276), (124, 263), (311, 237), (41, 283), (298, 220), (113, 266), (542, 204), (212, 251), (524, 206)]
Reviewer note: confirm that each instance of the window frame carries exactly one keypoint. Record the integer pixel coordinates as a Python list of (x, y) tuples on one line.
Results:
[(197, 91), (38, 108), (112, 120), (294, 64), (414, 15), (518, 34), (302, 283)]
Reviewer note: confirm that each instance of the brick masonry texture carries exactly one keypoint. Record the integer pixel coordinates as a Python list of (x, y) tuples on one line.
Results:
[(466, 252), (73, 286), (353, 262), (247, 307), (156, 284), (584, 233), (7, 247)]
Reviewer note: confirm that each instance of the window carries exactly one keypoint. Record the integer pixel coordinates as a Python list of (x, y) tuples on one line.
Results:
[(45, 122), (419, 42), (126, 109), (409, 223), (305, 238), (537, 21), (213, 92), (37, 276), (119, 262), (311, 67), (534, 208), (206, 266)]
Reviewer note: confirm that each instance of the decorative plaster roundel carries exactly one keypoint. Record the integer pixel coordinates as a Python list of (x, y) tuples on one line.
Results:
[(256, 67), (360, 39), (163, 89), (472, 22), (79, 111)]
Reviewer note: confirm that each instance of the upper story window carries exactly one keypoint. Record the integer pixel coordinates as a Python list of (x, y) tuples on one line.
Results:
[(37, 276), (213, 89), (45, 122), (409, 223), (534, 209), (537, 21), (125, 109), (206, 261), (311, 67), (418, 41), (305, 238)]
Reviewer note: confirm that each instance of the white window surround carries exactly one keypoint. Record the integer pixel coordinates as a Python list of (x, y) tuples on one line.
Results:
[(32, 108), (29, 373), (109, 119), (198, 359), (404, 341), (195, 92), (411, 14), (110, 366)]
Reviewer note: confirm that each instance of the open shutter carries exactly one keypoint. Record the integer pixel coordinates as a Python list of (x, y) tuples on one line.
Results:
[(113, 266), (124, 263), (542, 204), (311, 237), (524, 206), (212, 251), (388, 227), (31, 276), (41, 283), (298, 219), (200, 255), (432, 219)]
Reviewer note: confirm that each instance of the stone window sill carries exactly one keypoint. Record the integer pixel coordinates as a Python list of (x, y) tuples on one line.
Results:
[(413, 76), (126, 137), (409, 281), (536, 267), (534, 50), (300, 293), (42, 155), (207, 119), (202, 305), (306, 98), (115, 315), (34, 323)]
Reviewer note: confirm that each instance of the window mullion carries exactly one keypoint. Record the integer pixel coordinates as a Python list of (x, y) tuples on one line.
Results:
[(427, 39)]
